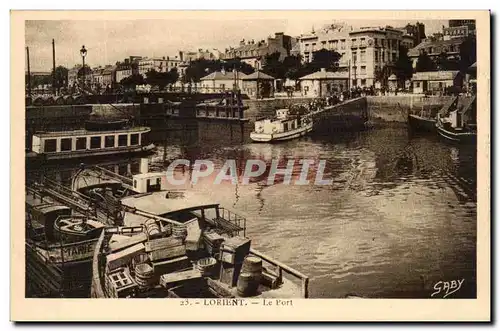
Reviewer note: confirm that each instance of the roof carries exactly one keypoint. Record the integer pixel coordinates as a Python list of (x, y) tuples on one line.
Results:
[(218, 75), (159, 204), (325, 75), (435, 75), (392, 77), (415, 51), (258, 75)]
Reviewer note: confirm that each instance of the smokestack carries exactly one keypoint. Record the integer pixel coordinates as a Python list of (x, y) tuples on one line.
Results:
[(144, 168)]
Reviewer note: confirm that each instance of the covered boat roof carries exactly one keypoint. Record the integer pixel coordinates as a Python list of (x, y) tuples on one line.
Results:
[(164, 202), (82, 132)]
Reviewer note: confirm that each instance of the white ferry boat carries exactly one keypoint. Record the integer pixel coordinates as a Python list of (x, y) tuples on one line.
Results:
[(59, 145), (285, 126)]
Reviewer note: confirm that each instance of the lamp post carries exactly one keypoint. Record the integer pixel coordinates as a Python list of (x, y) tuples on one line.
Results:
[(83, 53)]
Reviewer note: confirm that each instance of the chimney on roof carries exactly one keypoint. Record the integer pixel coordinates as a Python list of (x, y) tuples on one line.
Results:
[(242, 42)]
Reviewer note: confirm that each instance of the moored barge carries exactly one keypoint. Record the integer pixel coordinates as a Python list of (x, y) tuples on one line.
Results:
[(178, 243)]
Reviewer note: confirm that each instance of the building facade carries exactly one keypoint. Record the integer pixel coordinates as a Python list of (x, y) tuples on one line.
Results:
[(253, 53), (221, 81), (371, 49), (333, 37), (434, 48), (323, 83), (258, 85), (73, 75), (436, 81), (363, 51)]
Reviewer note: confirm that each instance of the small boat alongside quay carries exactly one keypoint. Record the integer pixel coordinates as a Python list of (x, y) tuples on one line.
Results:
[(421, 124), (458, 122), (287, 124)]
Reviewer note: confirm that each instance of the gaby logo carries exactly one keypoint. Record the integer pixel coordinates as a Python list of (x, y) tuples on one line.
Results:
[(295, 172)]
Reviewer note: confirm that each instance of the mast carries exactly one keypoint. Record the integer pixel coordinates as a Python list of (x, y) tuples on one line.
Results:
[(53, 67), (29, 72), (349, 80)]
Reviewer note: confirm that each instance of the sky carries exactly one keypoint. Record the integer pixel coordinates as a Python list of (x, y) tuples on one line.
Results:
[(109, 41)]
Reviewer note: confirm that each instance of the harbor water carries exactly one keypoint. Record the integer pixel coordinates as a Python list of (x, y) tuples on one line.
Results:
[(398, 217)]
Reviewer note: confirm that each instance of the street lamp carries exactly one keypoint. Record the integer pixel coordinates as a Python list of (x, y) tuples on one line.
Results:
[(83, 53)]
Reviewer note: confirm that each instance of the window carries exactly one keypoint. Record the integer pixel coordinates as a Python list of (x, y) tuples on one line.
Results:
[(376, 41), (375, 55), (95, 142), (417, 84), (363, 82), (134, 139), (135, 183), (383, 56), (122, 140), (363, 70), (50, 145), (354, 57), (342, 44), (109, 141), (354, 82), (363, 41), (66, 144), (362, 56), (81, 143), (285, 126), (145, 138)]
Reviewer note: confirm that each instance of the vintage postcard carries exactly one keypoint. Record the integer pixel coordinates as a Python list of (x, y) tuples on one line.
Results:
[(250, 166)]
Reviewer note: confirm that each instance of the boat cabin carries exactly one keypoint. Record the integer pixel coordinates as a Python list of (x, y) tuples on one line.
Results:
[(149, 182), (85, 140), (283, 122)]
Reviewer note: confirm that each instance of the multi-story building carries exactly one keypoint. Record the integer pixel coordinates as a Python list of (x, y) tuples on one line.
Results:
[(415, 31), (371, 49), (333, 37), (97, 77), (163, 64), (108, 76), (253, 53), (459, 29), (434, 48), (367, 49), (188, 56)]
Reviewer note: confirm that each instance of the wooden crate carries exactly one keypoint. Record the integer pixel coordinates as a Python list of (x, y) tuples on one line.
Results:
[(119, 283), (168, 253), (162, 243), (123, 257), (180, 278), (239, 246), (168, 266), (128, 242)]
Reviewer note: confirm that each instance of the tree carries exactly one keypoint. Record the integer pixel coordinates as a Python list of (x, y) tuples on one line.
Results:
[(162, 79), (382, 75), (425, 63), (199, 68), (132, 81), (273, 66), (468, 54), (61, 77), (403, 68), (444, 63), (324, 59), (88, 72)]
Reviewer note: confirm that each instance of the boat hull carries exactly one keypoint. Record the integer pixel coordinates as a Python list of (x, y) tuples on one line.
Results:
[(421, 124), (31, 156), (462, 138), (292, 134)]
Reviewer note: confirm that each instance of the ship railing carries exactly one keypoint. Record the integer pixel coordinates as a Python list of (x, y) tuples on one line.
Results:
[(232, 221), (281, 267), (124, 179)]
